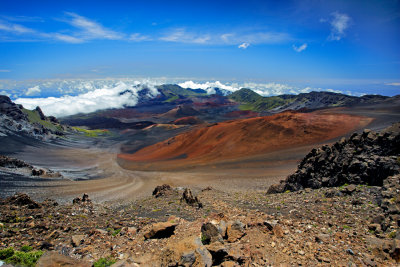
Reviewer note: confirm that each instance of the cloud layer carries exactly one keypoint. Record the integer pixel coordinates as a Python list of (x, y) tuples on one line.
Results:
[(98, 99), (67, 97)]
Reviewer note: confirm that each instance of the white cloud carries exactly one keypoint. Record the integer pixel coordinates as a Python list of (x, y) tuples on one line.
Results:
[(4, 93), (300, 48), (104, 98), (244, 45), (339, 24), (226, 36), (334, 91), (137, 37), (180, 35), (265, 37), (33, 91), (15, 28), (91, 29), (208, 86), (393, 84), (183, 36), (68, 38)]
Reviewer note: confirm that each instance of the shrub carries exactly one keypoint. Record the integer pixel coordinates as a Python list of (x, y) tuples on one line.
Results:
[(6, 253), (26, 248), (104, 262), (20, 258)]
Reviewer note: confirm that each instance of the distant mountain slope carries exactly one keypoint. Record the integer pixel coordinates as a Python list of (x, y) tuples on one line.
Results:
[(171, 92), (250, 100)]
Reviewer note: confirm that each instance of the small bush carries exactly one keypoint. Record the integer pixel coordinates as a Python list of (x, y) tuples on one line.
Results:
[(26, 248), (6, 253), (20, 258), (104, 262), (392, 234)]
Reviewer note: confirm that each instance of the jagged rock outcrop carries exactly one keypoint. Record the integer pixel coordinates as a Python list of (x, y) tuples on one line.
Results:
[(11, 109), (365, 158), (20, 166), (14, 119), (162, 190), (190, 199), (21, 199)]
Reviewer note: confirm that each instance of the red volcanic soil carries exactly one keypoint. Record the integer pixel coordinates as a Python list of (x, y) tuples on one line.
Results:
[(242, 114), (192, 120), (180, 111), (246, 137)]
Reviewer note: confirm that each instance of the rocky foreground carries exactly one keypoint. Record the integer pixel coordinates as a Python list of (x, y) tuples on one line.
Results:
[(340, 214), (328, 226)]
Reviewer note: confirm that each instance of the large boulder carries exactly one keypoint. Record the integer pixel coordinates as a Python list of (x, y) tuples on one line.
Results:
[(22, 200), (187, 252), (365, 158), (162, 190), (190, 199), (160, 230)]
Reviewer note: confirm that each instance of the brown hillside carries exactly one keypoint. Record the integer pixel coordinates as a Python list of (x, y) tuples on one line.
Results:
[(247, 137)]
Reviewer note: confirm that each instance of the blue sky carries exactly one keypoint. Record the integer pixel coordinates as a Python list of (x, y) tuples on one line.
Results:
[(341, 45)]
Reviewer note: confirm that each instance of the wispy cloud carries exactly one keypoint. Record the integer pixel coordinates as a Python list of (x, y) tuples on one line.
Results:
[(244, 45), (393, 84), (4, 70), (15, 28), (339, 24), (238, 38), (33, 91), (67, 38), (23, 18), (91, 29), (138, 37), (180, 35), (300, 48), (84, 29)]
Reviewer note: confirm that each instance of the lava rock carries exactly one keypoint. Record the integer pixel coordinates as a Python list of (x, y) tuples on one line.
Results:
[(162, 190)]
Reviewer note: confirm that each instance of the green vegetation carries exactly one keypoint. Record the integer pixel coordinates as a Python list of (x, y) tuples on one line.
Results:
[(34, 117), (20, 258), (392, 234), (26, 248), (104, 262), (92, 133), (252, 101), (114, 232), (172, 98), (173, 92)]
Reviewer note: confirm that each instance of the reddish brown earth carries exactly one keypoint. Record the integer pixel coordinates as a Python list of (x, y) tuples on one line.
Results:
[(180, 111), (188, 120), (242, 114), (243, 138)]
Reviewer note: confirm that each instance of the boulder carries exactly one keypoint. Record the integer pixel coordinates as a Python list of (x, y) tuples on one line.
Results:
[(234, 231), (84, 200), (210, 233), (366, 158), (21, 199), (187, 252), (162, 190), (77, 240), (190, 199), (160, 230)]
